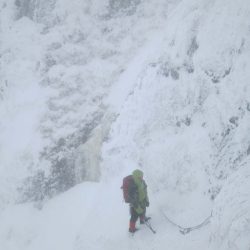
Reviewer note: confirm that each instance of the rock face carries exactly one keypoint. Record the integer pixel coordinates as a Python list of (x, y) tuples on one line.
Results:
[(88, 88)]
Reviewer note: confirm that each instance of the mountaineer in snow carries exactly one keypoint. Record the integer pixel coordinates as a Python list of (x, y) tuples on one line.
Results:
[(135, 193)]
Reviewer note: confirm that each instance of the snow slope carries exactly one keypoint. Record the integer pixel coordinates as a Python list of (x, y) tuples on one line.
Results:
[(173, 101), (83, 219)]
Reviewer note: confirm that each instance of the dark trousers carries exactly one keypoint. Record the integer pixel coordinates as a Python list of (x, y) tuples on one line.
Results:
[(134, 215)]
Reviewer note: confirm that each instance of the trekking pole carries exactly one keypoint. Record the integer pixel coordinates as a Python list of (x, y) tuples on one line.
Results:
[(150, 227)]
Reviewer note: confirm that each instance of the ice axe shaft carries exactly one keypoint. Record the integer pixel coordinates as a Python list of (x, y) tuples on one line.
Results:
[(150, 227)]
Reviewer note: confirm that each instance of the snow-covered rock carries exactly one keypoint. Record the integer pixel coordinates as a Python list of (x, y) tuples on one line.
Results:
[(90, 90)]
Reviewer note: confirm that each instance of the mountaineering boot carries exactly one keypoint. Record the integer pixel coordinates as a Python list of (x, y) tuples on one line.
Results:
[(143, 219), (132, 227)]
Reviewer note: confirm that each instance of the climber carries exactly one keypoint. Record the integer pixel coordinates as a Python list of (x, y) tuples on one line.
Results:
[(135, 193)]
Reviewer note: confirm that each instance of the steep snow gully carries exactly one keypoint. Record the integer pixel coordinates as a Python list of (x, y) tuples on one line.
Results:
[(94, 89)]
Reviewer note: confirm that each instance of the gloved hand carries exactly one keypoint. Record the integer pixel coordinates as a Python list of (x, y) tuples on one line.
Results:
[(139, 210), (147, 203)]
